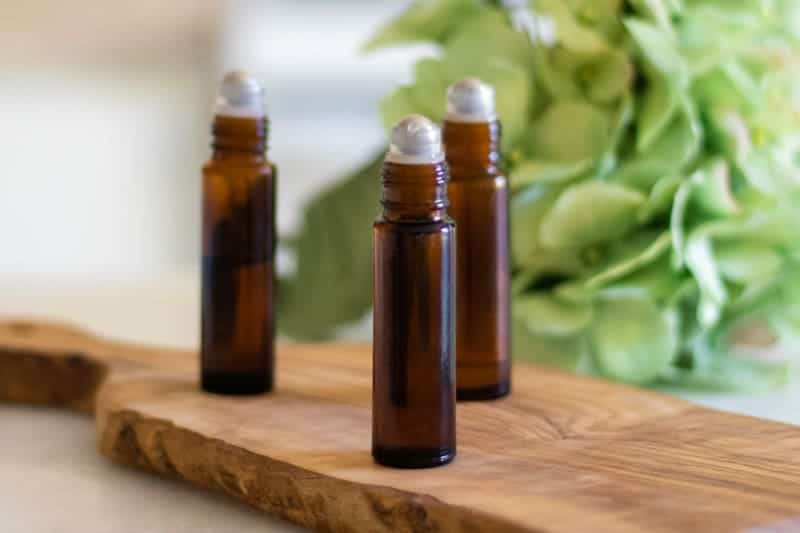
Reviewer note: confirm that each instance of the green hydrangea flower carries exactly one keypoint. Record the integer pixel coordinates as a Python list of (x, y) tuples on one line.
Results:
[(654, 153)]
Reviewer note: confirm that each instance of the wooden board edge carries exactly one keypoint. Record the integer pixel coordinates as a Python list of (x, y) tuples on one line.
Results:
[(69, 380), (75, 381), (301, 496)]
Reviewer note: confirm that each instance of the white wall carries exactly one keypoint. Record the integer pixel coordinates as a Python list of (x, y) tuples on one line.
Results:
[(94, 168), (100, 159)]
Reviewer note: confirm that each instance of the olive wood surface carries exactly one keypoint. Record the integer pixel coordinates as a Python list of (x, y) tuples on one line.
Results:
[(562, 453)]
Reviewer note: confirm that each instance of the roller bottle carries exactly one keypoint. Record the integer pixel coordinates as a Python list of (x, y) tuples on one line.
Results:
[(237, 344), (414, 298), (479, 199)]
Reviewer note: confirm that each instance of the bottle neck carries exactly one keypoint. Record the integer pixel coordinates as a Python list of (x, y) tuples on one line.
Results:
[(472, 148), (414, 193), (241, 139)]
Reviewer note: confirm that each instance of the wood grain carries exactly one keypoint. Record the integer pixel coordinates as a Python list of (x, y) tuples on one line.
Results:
[(563, 453)]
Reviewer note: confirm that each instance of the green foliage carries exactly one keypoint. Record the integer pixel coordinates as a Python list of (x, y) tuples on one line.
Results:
[(425, 20), (590, 212), (333, 280), (654, 155), (503, 58), (633, 339)]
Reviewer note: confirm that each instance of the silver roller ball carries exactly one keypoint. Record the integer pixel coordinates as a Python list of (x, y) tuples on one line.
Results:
[(471, 100), (415, 140), (240, 94)]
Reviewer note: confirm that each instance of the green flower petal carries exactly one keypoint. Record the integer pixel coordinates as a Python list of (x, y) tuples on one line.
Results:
[(424, 20), (585, 138), (544, 314), (529, 172), (632, 340), (590, 212)]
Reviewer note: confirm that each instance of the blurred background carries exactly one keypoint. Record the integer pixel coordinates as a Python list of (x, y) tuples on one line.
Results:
[(106, 111)]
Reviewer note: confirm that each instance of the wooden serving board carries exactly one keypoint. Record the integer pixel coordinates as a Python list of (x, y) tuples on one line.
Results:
[(563, 453)]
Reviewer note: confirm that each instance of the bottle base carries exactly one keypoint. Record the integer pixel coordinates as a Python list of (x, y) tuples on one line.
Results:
[(235, 384), (413, 457), (492, 392)]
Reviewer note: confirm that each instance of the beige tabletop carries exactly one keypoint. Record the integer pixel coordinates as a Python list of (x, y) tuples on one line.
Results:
[(53, 479)]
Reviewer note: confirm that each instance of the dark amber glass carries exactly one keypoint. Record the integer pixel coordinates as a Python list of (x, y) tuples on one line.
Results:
[(413, 408), (237, 345), (478, 195)]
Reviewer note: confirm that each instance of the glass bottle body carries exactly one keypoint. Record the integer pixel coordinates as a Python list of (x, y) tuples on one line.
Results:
[(414, 334), (479, 204), (237, 340)]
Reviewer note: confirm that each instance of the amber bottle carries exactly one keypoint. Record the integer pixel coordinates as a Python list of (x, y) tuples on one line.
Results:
[(413, 407), (478, 195), (237, 352)]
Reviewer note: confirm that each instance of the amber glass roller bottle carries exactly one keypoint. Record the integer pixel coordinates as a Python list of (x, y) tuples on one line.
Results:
[(413, 408), (238, 245), (478, 195)]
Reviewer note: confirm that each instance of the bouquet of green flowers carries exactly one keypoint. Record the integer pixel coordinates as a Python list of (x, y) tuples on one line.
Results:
[(653, 148)]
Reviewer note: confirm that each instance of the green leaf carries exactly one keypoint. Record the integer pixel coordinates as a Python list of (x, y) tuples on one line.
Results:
[(553, 82), (730, 133), (310, 306), (730, 86), (603, 15), (621, 119), (527, 211), (572, 35), (529, 172), (784, 316), (659, 103), (590, 212), (656, 281), (545, 314), (660, 199), (585, 138), (633, 341), (676, 7), (713, 294), (674, 150), (712, 191), (522, 280), (632, 259), (485, 36), (656, 12), (772, 169), (528, 208), (747, 262), (430, 88), (568, 353), (607, 77), (714, 33), (424, 20), (658, 48)]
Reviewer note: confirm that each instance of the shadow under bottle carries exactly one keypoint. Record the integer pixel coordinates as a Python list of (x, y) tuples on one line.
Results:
[(414, 322)]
